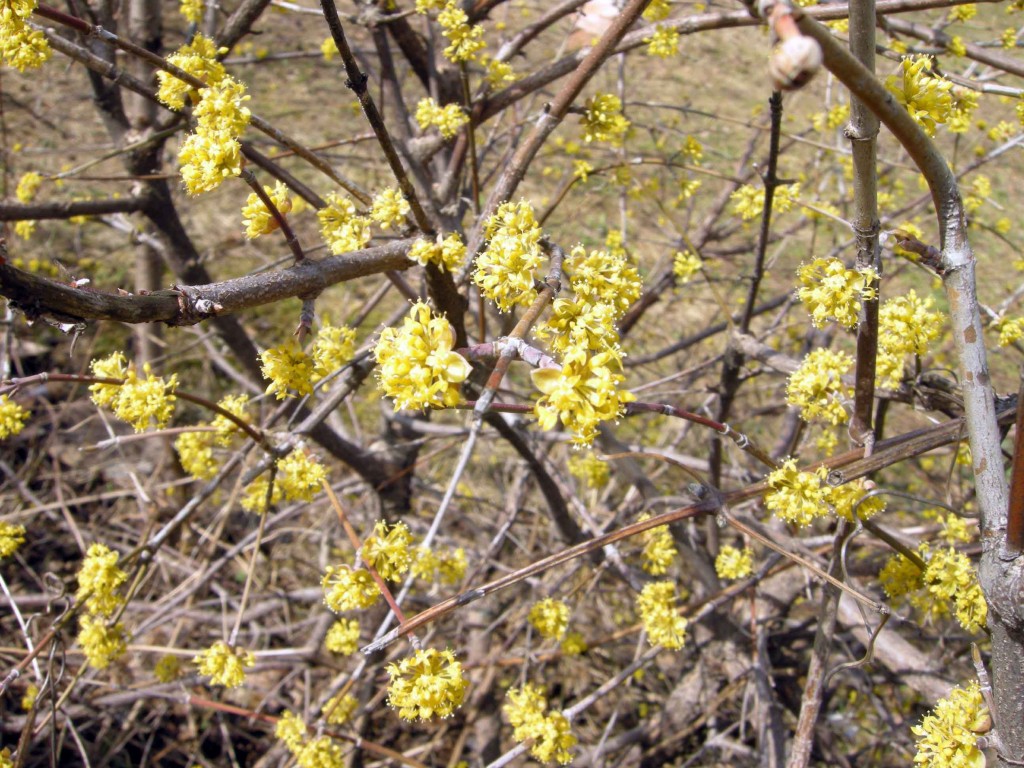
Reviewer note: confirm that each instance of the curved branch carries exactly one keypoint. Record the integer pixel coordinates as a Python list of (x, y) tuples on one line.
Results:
[(66, 209)]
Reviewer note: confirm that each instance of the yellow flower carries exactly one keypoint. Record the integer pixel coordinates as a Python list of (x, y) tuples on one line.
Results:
[(346, 589), (199, 59), (426, 684), (447, 251), (925, 96), (794, 496), (905, 326), (733, 563), (550, 618), (113, 366), (11, 538), (844, 497), (449, 565), (658, 10), (951, 577), (600, 277), (207, 159), (551, 735), (333, 349), (900, 576), (329, 49), (299, 476), (416, 366), (662, 622), (389, 208), (167, 669), (192, 10), (257, 217), (343, 637), (588, 468), (659, 549), (830, 291), (28, 186), (287, 367), (574, 644), (101, 644), (817, 388), (145, 402), (464, 40), (388, 549), (195, 452), (224, 665), (686, 264), (948, 737), (21, 46), (98, 579), (499, 73), (664, 43), (320, 752), (291, 730), (341, 227), (603, 119), (339, 709), (447, 119), (505, 270), (12, 417)]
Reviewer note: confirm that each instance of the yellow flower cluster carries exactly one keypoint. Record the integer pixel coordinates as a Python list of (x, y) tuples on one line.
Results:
[(447, 119), (582, 394), (1011, 329), (664, 42), (499, 73), (343, 637), (348, 589), (141, 402), (98, 580), (167, 669), (224, 665), (732, 563), (192, 10), (830, 291), (199, 59), (195, 449), (416, 366), (550, 733), (662, 622), (905, 326), (844, 498), (339, 709), (320, 752), (341, 227), (603, 119), (389, 208), (299, 478), (464, 40), (505, 270), (686, 264), (951, 577), (834, 118), (426, 684), (448, 565), (11, 537), (257, 218), (447, 251), (794, 496), (574, 644), (12, 417), (389, 550), (588, 468), (600, 277), (28, 187), (659, 549), (288, 367), (817, 388), (925, 95), (658, 10), (550, 618), (748, 200), (948, 737), (21, 46)]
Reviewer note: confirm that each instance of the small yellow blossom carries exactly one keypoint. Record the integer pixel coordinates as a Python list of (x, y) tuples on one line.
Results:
[(962, 13), (499, 73), (199, 59), (794, 496), (207, 159), (341, 227), (662, 622), (664, 43), (98, 579), (347, 589), (113, 366), (101, 644), (339, 709), (447, 251), (12, 417), (28, 187), (733, 563), (550, 733), (195, 452), (416, 366), (146, 402), (949, 736), (224, 665), (329, 49), (925, 96), (448, 565), (447, 119), (844, 497), (11, 538), (389, 208), (830, 291), (388, 550), (657, 10), (257, 217), (587, 467), (192, 10), (426, 684), (659, 549), (686, 264), (505, 270), (288, 368), (167, 669), (343, 637), (817, 388), (574, 644), (291, 730), (603, 119), (333, 349), (464, 39), (25, 228), (900, 576), (29, 699), (951, 577), (550, 618), (21, 46)]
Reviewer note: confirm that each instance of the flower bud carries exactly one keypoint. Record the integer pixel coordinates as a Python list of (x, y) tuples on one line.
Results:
[(794, 62)]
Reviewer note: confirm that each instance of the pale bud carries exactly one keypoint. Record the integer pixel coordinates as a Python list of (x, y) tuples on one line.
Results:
[(794, 62)]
